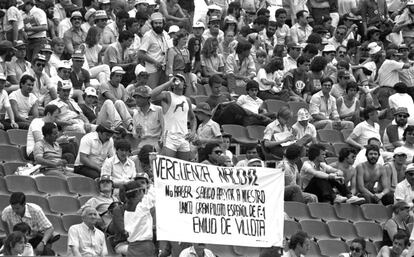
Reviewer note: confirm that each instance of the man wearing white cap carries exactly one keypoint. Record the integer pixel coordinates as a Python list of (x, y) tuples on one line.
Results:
[(404, 190), (303, 128), (198, 30), (153, 50), (71, 115), (75, 36), (140, 6), (214, 31), (112, 98), (141, 79), (89, 106), (90, 20)]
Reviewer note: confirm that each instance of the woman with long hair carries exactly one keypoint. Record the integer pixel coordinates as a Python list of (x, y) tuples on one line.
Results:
[(270, 81), (194, 48), (93, 54), (211, 61)]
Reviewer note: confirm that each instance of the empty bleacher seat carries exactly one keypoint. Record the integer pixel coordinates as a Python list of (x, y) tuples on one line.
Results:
[(3, 187), (377, 212), (25, 184), (239, 134), (342, 229), (316, 229), (82, 185), (346, 133), (339, 146), (256, 132), (17, 136), (330, 136), (4, 138), (41, 201), (369, 230), (332, 247), (10, 153), (298, 211), (64, 204), (323, 211), (349, 212), (53, 185), (84, 198), (273, 106), (11, 167), (61, 246), (290, 227), (4, 201)]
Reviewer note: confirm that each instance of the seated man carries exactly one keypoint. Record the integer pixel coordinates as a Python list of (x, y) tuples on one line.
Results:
[(197, 250), (5, 104), (396, 169), (368, 174), (404, 190), (398, 248), (71, 116), (112, 100), (94, 148), (346, 159), (393, 133), (251, 153), (102, 201), (41, 228), (297, 81), (24, 103), (319, 178), (360, 158), (217, 96), (323, 109), (48, 153), (303, 129), (85, 239), (120, 167)]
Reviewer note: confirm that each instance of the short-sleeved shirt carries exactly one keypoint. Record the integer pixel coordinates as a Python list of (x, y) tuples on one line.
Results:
[(300, 131), (120, 172), (110, 33), (318, 105), (156, 47), (24, 103), (37, 17), (13, 15), (91, 55), (289, 63), (274, 128), (17, 69), (78, 37), (282, 33), (151, 122), (246, 67), (89, 242), (33, 216), (92, 146), (115, 54), (42, 85), (43, 149), (297, 81), (4, 100), (404, 192), (209, 130), (78, 82), (35, 126), (249, 103), (213, 63), (388, 73), (364, 131), (119, 92), (299, 34)]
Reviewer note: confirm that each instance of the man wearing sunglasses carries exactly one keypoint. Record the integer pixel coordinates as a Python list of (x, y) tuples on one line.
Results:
[(339, 36), (394, 132), (75, 36)]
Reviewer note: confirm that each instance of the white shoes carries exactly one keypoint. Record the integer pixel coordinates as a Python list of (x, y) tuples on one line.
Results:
[(340, 199), (355, 200)]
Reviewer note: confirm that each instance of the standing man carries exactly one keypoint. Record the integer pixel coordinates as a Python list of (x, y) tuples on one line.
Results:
[(153, 50), (35, 26), (177, 109), (85, 239), (370, 172), (30, 213), (301, 30), (148, 120)]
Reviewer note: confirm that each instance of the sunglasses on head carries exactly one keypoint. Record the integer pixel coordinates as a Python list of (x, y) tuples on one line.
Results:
[(356, 249)]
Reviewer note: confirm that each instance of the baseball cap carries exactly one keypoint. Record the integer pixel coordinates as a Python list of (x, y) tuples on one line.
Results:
[(203, 108), (173, 29), (293, 45), (151, 2), (117, 69), (329, 48), (214, 18), (199, 24), (410, 2), (410, 167), (373, 28), (91, 91), (214, 7), (139, 69), (403, 46), (89, 13), (2, 76), (104, 1), (373, 48), (105, 178), (399, 151), (78, 54), (100, 14), (157, 16), (180, 76), (6, 45), (303, 114), (143, 91), (76, 14), (19, 43), (65, 64), (142, 175), (402, 110), (39, 57), (66, 84), (46, 48)]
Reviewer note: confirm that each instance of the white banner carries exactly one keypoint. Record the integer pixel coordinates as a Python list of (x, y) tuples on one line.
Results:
[(218, 205)]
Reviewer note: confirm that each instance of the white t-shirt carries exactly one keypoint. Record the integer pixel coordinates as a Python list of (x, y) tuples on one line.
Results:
[(92, 54), (388, 73), (364, 131), (35, 125), (249, 103), (24, 104)]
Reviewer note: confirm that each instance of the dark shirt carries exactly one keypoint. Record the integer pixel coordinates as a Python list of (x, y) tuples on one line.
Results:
[(88, 112), (79, 82)]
